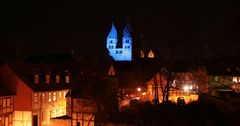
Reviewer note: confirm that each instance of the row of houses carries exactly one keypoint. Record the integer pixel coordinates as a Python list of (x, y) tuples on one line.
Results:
[(38, 94), (33, 94)]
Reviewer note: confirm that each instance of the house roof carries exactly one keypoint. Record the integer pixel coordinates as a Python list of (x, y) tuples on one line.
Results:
[(225, 68), (4, 91), (93, 88), (25, 72)]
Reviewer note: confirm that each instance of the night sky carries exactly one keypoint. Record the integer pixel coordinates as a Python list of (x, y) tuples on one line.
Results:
[(57, 26)]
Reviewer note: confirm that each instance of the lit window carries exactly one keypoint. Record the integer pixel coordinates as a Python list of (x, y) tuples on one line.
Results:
[(216, 78), (60, 95), (64, 94), (43, 97), (4, 103), (36, 79), (49, 97), (8, 102), (67, 79), (47, 79), (54, 96), (57, 79), (35, 99), (235, 79)]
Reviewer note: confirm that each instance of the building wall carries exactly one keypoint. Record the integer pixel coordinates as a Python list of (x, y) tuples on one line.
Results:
[(60, 122), (22, 99), (6, 111), (47, 105), (83, 111), (22, 118)]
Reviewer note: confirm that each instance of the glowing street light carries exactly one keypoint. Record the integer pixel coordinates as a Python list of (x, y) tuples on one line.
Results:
[(139, 89)]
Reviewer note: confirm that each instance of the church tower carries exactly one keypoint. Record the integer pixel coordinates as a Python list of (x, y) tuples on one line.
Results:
[(112, 41), (127, 42), (123, 52)]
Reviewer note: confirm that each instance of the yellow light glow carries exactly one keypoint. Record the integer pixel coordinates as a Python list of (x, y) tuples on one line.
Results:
[(139, 89)]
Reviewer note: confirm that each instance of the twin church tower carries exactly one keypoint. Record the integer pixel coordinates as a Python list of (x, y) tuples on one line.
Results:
[(120, 50)]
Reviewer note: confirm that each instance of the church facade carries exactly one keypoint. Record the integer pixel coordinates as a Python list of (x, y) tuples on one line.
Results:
[(120, 50)]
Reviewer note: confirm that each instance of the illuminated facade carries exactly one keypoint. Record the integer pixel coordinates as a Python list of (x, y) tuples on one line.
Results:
[(6, 107), (123, 51), (39, 94)]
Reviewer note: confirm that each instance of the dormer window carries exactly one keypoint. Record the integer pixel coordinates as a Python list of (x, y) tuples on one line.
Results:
[(67, 79), (57, 79), (47, 79), (36, 79)]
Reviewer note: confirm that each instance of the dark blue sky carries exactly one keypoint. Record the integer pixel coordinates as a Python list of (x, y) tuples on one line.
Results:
[(56, 26)]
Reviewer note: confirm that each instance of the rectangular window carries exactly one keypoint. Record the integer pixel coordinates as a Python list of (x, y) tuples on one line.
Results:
[(57, 79), (67, 79), (49, 97), (4, 103), (43, 97), (54, 96), (8, 102), (0, 108), (64, 94), (47, 79), (35, 99), (60, 95), (235, 79), (36, 79)]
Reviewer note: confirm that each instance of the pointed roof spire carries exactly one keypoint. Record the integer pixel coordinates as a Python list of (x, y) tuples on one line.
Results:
[(142, 54), (113, 32), (127, 30), (150, 54)]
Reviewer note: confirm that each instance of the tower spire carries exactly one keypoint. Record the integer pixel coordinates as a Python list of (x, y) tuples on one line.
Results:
[(127, 30), (113, 32)]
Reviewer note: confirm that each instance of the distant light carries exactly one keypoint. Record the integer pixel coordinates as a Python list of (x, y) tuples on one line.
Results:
[(144, 93), (191, 87), (139, 89), (186, 88)]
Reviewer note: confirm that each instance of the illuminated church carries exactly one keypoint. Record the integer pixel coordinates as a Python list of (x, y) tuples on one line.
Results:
[(120, 50)]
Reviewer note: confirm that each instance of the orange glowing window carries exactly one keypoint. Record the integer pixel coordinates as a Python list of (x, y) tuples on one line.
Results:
[(35, 98), (67, 79), (47, 79), (64, 94), (57, 79), (49, 97), (54, 96), (43, 97), (60, 95), (36, 79)]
